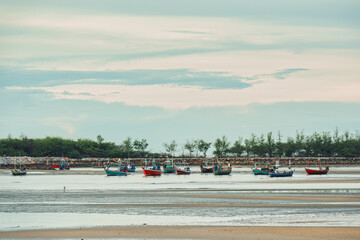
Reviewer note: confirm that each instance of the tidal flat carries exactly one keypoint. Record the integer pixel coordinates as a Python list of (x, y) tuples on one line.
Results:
[(86, 198)]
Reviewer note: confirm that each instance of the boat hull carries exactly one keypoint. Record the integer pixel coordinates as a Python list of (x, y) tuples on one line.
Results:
[(18, 172), (226, 171), (286, 174), (316, 172), (207, 169), (169, 170), (60, 167), (152, 172), (115, 173), (260, 172), (182, 172)]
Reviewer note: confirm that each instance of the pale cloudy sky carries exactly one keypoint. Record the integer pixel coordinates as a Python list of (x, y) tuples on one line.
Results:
[(164, 70)]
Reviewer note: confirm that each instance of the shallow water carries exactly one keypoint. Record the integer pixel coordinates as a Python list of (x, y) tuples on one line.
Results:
[(38, 201)]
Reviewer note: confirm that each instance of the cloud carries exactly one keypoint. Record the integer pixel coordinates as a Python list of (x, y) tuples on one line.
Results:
[(303, 86), (57, 33)]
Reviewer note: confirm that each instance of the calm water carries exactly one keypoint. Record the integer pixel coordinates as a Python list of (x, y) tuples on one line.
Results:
[(37, 200)]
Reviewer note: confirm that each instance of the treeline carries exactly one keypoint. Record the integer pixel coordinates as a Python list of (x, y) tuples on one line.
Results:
[(82, 148), (323, 144)]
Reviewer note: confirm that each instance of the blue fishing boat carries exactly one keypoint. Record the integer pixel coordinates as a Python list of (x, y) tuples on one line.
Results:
[(18, 171), (263, 171), (169, 167), (128, 167), (116, 172), (222, 170), (282, 174)]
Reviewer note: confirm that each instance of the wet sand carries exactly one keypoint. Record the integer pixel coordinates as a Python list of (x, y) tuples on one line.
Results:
[(190, 205), (312, 198), (194, 232)]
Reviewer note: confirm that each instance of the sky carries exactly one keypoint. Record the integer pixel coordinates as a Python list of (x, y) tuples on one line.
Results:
[(178, 70)]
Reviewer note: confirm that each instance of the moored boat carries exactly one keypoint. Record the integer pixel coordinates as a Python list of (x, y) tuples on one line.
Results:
[(18, 172), (285, 173), (282, 174), (222, 169), (128, 168), (206, 168), (115, 172), (183, 170), (263, 171), (319, 171), (63, 166), (153, 170), (169, 167)]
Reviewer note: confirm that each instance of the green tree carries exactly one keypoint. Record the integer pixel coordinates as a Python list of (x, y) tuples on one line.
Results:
[(221, 146), (203, 146), (128, 147), (247, 147), (289, 147), (170, 147), (279, 145), (190, 146), (300, 143), (140, 146), (270, 144), (238, 148), (99, 139)]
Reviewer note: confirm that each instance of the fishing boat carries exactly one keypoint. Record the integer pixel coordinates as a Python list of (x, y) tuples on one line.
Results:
[(115, 172), (169, 167), (63, 166), (263, 171), (319, 171), (128, 167), (278, 173), (222, 170), (206, 168), (282, 173), (184, 170), (18, 172), (153, 170), (131, 168)]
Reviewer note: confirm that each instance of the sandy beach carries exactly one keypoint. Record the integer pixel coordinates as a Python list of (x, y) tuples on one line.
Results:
[(195, 232)]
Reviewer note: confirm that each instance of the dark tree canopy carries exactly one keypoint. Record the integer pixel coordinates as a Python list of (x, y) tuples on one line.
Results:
[(325, 144)]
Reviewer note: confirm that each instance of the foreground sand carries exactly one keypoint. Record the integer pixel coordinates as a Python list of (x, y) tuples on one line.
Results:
[(195, 232)]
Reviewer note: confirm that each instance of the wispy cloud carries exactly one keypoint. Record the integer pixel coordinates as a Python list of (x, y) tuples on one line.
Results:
[(296, 88)]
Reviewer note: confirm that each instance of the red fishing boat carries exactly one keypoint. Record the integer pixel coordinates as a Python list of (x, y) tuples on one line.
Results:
[(317, 171), (183, 171), (151, 171), (64, 166)]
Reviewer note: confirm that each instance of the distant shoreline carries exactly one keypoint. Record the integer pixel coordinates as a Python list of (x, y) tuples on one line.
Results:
[(44, 163)]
